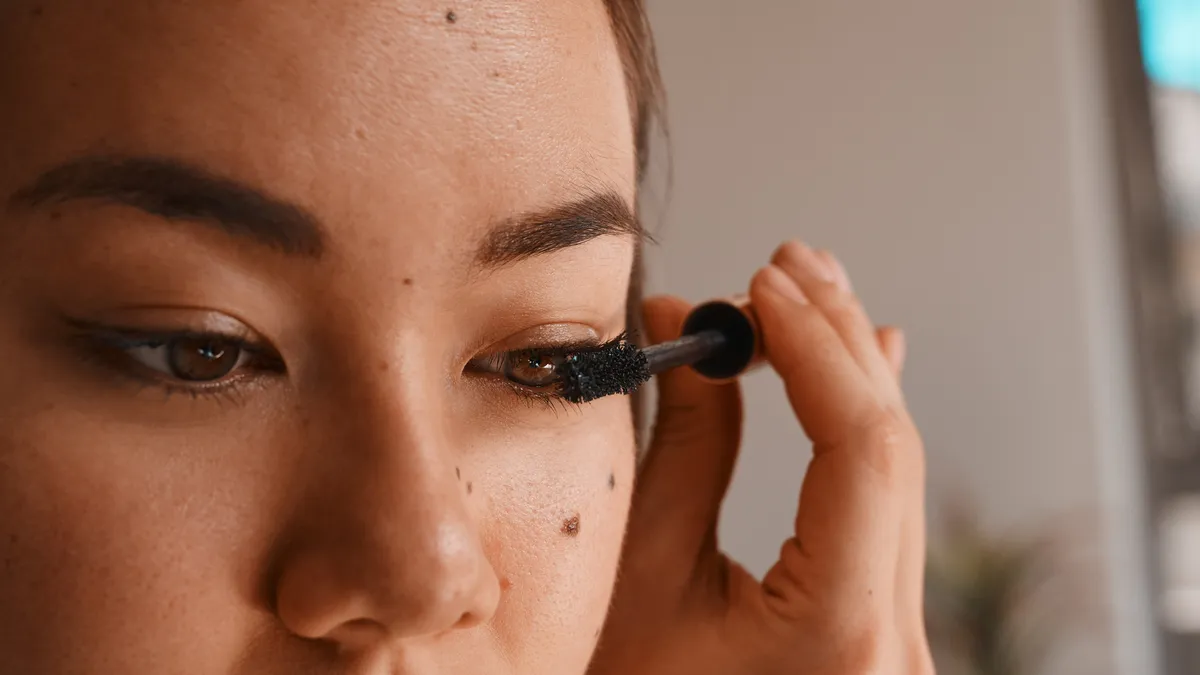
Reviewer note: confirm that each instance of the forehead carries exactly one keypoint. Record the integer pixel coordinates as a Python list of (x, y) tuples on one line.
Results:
[(447, 112)]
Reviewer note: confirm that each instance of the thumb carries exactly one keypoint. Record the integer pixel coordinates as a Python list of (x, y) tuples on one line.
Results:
[(689, 463)]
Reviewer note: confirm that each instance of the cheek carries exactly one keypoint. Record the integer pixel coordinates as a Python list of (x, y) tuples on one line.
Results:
[(553, 523), (110, 560)]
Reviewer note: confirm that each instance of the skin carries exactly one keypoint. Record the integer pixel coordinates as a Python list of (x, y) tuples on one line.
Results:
[(318, 520), (367, 499)]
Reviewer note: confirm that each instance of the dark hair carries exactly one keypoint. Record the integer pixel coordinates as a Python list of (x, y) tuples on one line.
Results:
[(635, 42), (643, 83)]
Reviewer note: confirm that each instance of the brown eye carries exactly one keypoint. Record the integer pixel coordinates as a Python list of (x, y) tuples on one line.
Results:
[(202, 359), (532, 369), (191, 358)]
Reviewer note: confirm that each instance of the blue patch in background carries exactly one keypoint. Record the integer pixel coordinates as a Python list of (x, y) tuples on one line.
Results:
[(1170, 31)]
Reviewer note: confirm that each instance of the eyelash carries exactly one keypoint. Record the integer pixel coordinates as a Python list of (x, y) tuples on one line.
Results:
[(550, 395), (112, 348)]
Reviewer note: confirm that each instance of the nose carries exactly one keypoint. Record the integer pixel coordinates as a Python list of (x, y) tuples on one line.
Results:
[(387, 547)]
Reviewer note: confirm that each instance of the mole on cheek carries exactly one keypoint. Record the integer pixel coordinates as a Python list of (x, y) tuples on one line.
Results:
[(451, 17), (570, 526), (612, 480), (470, 488), (408, 281), (457, 473)]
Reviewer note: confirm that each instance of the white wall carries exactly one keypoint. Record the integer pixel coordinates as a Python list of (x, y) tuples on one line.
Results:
[(956, 156)]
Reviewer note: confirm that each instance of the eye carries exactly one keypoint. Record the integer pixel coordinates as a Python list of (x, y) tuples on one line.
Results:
[(196, 359), (532, 368), (538, 371)]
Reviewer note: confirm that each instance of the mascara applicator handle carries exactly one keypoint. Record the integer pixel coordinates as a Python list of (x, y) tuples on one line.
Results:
[(738, 347)]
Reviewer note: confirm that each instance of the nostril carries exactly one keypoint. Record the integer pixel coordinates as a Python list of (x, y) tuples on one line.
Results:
[(468, 620), (357, 634)]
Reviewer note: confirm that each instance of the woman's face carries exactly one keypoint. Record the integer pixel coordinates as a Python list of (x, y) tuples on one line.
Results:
[(266, 274)]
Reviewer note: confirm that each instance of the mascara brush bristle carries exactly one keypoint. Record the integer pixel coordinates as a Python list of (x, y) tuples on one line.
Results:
[(618, 368)]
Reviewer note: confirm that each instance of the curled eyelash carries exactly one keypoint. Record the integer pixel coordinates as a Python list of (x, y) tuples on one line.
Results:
[(551, 395)]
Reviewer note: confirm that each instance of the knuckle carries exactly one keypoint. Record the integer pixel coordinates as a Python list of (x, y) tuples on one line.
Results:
[(842, 309), (883, 440), (832, 298)]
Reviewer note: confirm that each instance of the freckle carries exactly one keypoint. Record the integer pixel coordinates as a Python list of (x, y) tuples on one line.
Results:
[(408, 281), (360, 133), (451, 17), (384, 366), (13, 538), (520, 125), (495, 73), (505, 584), (55, 215), (570, 526), (470, 488), (474, 46), (36, 11), (596, 634), (612, 481), (457, 473)]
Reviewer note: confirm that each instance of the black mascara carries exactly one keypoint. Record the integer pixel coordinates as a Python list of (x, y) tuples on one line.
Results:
[(719, 340)]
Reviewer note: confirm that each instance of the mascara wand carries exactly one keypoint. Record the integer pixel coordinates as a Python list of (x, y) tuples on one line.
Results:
[(719, 341)]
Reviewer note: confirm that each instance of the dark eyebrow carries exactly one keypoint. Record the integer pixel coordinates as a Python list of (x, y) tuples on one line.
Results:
[(533, 234), (175, 190)]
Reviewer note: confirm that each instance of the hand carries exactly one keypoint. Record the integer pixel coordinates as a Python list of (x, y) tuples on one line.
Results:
[(845, 597)]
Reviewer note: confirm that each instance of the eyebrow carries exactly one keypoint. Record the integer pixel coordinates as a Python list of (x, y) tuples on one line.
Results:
[(178, 191), (602, 213), (175, 190)]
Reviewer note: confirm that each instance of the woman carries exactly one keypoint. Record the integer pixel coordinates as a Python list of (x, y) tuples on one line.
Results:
[(268, 274)]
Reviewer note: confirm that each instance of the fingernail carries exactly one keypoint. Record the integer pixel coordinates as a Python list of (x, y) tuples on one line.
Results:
[(816, 265), (782, 283)]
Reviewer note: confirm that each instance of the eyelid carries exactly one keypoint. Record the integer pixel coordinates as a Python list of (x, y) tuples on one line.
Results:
[(548, 336), (170, 323), (123, 337)]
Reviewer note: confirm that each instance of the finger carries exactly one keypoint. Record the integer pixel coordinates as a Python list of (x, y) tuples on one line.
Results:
[(845, 552), (693, 448), (910, 572), (830, 393), (894, 347), (823, 279)]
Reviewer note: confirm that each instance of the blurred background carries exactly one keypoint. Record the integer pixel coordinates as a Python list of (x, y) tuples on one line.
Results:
[(1017, 184)]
